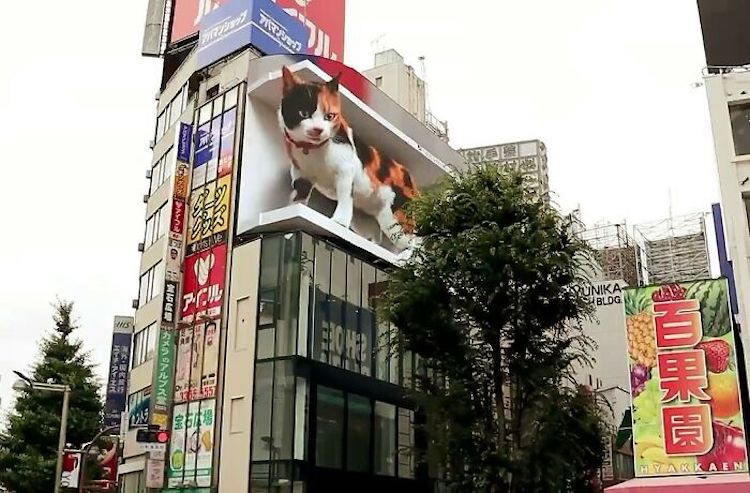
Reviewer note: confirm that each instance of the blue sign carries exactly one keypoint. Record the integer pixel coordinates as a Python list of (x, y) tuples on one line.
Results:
[(725, 265), (139, 413), (117, 383), (239, 23), (184, 142)]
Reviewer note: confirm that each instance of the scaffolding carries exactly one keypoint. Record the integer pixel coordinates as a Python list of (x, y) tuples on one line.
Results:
[(674, 249), (616, 251)]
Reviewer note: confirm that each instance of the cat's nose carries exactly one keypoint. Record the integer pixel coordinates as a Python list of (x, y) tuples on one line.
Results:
[(315, 132)]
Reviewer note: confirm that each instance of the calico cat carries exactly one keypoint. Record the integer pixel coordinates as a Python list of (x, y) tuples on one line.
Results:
[(325, 154)]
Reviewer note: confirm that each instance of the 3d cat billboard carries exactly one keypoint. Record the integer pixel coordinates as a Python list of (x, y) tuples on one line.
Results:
[(325, 149)]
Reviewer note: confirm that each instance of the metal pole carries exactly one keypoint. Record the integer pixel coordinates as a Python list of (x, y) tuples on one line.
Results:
[(61, 442)]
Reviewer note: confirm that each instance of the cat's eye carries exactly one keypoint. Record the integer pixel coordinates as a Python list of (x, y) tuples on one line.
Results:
[(330, 116), (304, 114)]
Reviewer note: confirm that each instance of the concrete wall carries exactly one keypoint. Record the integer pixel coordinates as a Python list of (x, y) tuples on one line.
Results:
[(239, 365), (734, 171)]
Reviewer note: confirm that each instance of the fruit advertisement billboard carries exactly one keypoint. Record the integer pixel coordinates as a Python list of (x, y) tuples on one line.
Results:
[(687, 415)]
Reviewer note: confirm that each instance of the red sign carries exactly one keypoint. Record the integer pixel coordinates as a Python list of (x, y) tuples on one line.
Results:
[(187, 15), (204, 283), (326, 19), (177, 223)]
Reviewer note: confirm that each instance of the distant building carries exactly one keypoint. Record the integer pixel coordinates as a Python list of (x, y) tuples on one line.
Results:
[(528, 157), (616, 251), (401, 82)]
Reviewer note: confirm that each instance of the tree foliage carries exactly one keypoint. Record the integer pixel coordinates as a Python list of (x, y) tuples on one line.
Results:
[(492, 300), (28, 445)]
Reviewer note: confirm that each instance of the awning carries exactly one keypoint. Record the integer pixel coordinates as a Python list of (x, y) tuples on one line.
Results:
[(717, 483)]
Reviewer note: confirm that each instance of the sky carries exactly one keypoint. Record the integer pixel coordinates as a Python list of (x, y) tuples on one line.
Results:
[(607, 85)]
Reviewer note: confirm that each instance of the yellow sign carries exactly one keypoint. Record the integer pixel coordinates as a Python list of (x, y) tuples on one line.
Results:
[(208, 220)]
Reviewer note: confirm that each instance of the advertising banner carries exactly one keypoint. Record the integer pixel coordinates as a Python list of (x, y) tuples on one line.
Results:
[(139, 414), (169, 304), (119, 360), (191, 446), (203, 286), (71, 471), (687, 416), (209, 215), (185, 363), (162, 387), (325, 20), (197, 362), (239, 23), (210, 360), (184, 142), (177, 219), (187, 15)]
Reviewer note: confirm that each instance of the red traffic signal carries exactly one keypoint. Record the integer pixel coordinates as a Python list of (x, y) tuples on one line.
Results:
[(152, 436)]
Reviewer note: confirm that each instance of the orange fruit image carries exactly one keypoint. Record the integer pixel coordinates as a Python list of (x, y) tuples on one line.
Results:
[(724, 393)]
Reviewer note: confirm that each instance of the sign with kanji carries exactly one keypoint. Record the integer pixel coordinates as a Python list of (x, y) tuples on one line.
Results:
[(208, 215), (687, 413), (119, 360), (191, 447), (161, 392), (203, 286)]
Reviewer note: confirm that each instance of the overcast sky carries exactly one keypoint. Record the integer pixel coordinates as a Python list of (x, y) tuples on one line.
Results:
[(605, 83)]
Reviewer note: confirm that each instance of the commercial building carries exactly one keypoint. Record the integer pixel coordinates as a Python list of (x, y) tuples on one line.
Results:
[(527, 157), (392, 75), (257, 341)]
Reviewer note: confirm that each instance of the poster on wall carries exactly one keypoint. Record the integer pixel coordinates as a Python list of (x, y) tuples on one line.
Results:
[(191, 446), (203, 286), (687, 416)]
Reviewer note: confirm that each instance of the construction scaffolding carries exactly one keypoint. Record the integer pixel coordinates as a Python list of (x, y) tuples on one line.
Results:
[(616, 251), (674, 249)]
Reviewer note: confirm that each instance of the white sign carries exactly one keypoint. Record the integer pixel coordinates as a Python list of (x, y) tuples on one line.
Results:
[(154, 473), (71, 469), (153, 447)]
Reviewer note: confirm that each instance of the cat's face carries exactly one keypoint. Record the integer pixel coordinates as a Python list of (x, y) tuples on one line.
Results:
[(311, 111)]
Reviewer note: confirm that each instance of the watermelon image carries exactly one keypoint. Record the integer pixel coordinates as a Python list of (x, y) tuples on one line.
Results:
[(714, 299)]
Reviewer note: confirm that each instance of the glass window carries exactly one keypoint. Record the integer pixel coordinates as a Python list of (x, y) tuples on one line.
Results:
[(405, 443), (269, 272), (358, 433), (132, 482), (322, 286), (288, 283), (151, 283), (282, 432), (144, 342), (406, 370), (336, 339), (175, 108), (352, 309), (262, 411), (301, 412), (367, 318), (385, 439), (307, 280), (160, 125), (260, 478), (740, 117), (330, 427)]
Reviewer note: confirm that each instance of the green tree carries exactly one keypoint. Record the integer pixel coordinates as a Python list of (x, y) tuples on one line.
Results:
[(28, 446), (492, 299)]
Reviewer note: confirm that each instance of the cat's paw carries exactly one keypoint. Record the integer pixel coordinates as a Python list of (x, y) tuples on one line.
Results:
[(342, 217)]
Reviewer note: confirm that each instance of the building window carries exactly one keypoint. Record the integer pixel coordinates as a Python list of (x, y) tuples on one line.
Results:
[(144, 343), (329, 440), (740, 118), (156, 225), (171, 113), (263, 391), (132, 482), (385, 439), (359, 414), (162, 170), (151, 284), (405, 443)]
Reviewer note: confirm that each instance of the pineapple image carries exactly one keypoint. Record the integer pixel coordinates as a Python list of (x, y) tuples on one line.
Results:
[(640, 328)]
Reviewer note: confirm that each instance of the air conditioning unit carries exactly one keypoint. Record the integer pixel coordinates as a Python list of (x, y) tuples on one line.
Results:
[(151, 144), (145, 198), (134, 304), (149, 174), (141, 247)]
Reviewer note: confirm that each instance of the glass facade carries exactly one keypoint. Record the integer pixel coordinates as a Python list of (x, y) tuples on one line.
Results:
[(328, 376)]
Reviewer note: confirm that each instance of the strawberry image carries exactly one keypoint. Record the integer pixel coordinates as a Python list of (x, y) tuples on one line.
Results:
[(717, 355)]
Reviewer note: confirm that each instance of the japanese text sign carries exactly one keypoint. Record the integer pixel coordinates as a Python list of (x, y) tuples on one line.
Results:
[(325, 20), (687, 415), (162, 389), (119, 360), (203, 287), (191, 446)]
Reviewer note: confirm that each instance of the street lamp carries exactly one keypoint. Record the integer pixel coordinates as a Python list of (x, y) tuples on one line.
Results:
[(25, 383)]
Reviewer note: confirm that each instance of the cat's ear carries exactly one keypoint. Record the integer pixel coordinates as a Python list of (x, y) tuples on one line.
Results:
[(333, 84), (290, 79)]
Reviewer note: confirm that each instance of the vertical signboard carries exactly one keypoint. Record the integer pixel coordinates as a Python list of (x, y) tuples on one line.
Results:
[(191, 446), (119, 359), (161, 393), (687, 415)]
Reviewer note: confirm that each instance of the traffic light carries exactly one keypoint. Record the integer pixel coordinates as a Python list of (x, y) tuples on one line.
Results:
[(152, 436)]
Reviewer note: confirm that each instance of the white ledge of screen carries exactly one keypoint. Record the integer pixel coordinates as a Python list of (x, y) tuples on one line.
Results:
[(425, 168), (303, 218)]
